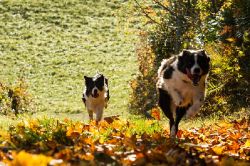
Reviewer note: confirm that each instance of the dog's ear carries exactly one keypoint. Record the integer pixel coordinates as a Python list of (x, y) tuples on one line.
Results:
[(182, 60), (100, 77), (208, 58), (87, 79), (203, 52), (185, 52), (183, 55)]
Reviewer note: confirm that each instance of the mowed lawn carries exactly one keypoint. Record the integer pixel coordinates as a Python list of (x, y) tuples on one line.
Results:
[(53, 44)]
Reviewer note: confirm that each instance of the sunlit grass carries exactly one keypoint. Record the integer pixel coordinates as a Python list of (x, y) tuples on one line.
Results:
[(53, 44)]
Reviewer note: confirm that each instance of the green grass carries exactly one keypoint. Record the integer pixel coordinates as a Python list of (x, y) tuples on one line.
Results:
[(53, 44)]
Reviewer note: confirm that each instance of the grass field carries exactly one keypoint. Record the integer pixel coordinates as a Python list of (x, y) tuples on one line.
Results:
[(53, 44)]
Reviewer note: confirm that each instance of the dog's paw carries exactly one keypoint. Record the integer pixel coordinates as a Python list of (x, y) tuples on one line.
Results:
[(173, 132), (190, 113), (193, 110)]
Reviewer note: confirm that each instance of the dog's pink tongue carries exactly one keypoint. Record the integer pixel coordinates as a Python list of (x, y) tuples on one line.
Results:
[(95, 95), (194, 77)]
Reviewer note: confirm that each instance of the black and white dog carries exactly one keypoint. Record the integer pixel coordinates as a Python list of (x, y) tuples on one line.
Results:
[(181, 85), (96, 95)]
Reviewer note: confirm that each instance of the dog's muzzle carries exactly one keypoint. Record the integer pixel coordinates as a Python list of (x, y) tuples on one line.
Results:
[(95, 93), (195, 78)]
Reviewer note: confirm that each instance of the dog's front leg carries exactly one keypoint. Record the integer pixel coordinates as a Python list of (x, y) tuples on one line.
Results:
[(90, 114), (198, 100), (177, 97), (99, 114)]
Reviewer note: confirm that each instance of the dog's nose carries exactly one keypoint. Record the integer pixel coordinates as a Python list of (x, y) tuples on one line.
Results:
[(197, 70), (95, 91)]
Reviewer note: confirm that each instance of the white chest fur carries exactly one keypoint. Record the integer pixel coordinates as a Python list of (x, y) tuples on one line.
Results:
[(181, 88), (96, 104)]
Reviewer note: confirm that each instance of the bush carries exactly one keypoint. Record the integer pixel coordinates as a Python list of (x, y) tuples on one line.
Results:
[(15, 98), (143, 96), (226, 85)]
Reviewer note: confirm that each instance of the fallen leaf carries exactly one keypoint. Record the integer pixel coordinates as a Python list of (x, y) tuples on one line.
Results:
[(247, 144), (218, 149), (155, 113), (26, 159)]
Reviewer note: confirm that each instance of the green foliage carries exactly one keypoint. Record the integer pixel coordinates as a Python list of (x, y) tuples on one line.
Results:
[(15, 98), (220, 27), (142, 126), (226, 83), (29, 133)]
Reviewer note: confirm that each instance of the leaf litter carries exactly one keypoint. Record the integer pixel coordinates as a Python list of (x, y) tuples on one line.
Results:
[(116, 142)]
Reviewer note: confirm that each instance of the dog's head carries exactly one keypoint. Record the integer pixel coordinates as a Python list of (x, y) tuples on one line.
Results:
[(194, 63), (95, 85)]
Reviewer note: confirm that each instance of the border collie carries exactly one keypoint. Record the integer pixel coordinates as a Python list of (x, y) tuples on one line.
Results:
[(95, 95), (181, 85)]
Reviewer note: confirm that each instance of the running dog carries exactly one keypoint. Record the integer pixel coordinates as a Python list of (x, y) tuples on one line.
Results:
[(181, 85), (95, 95)]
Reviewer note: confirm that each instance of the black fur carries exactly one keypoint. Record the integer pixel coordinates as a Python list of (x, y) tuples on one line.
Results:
[(106, 82), (168, 73), (204, 62), (84, 100), (180, 112), (89, 85), (165, 104), (185, 61)]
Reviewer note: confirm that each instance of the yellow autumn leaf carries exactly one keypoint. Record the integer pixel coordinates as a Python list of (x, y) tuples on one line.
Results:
[(225, 124), (218, 149), (128, 134), (70, 130), (231, 39), (133, 84), (247, 144), (26, 159), (101, 140), (88, 156), (78, 127)]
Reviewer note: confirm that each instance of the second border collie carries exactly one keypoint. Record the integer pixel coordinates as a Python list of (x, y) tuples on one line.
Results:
[(96, 95)]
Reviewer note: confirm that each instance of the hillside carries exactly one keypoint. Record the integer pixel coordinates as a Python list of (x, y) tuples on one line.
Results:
[(53, 44)]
